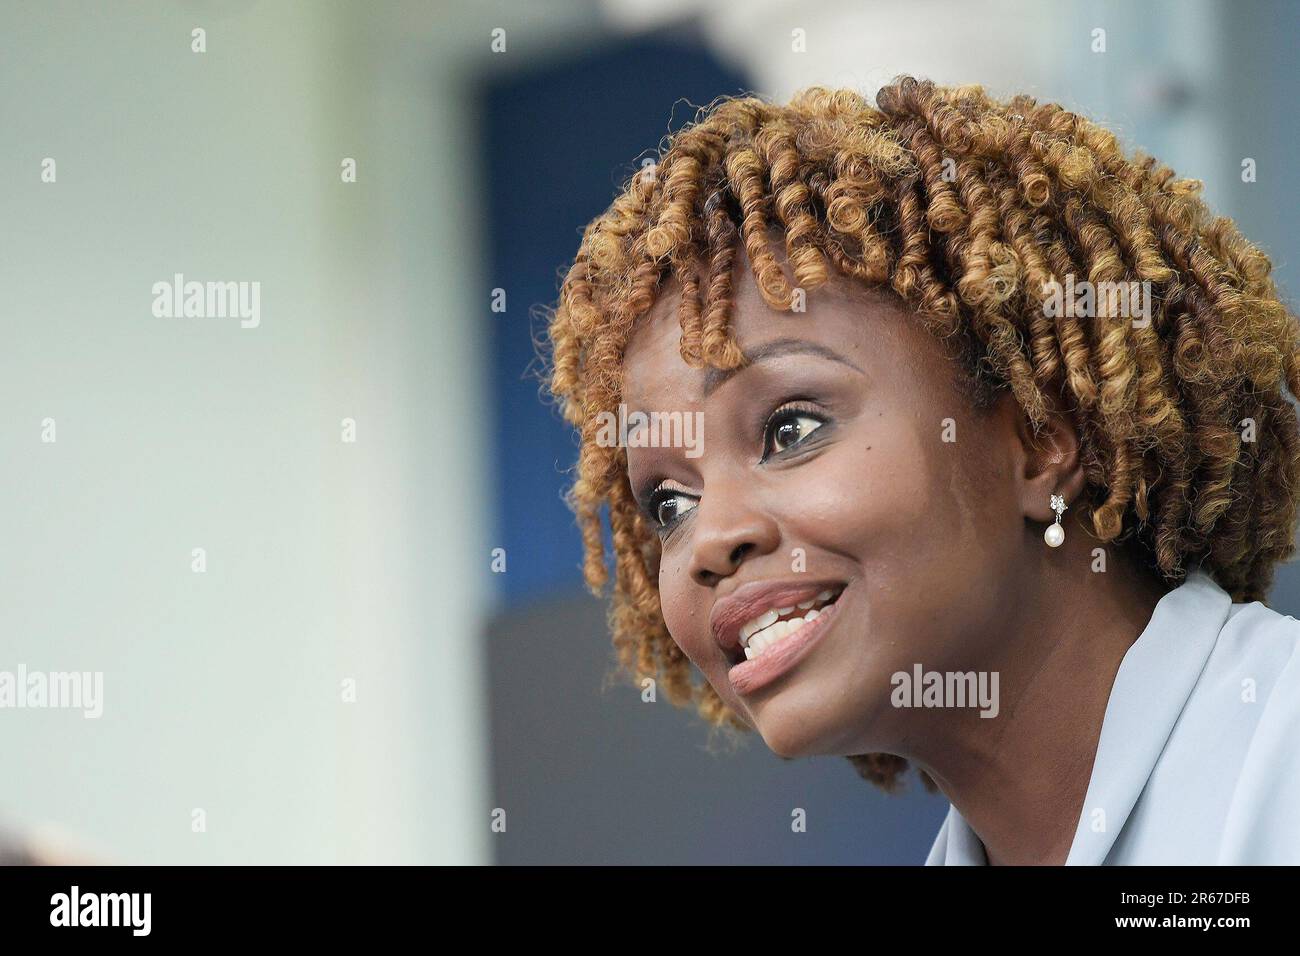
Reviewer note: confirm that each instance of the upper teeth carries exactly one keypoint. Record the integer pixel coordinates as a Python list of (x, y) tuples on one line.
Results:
[(770, 626)]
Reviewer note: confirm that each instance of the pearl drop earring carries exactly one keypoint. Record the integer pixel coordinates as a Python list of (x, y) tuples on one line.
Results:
[(1055, 534)]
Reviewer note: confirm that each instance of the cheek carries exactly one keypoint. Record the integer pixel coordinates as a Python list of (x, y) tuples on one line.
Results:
[(865, 497), (685, 612), (932, 527), (917, 513)]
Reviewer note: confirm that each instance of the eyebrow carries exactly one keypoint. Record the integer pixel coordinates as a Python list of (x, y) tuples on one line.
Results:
[(715, 377)]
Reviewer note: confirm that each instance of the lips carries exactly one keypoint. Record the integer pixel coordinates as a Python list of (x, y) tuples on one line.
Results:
[(784, 654), (754, 600)]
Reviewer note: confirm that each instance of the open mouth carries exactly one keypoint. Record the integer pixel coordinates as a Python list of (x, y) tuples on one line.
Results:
[(759, 635)]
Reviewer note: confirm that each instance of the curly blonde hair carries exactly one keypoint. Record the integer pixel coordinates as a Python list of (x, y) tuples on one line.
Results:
[(966, 207)]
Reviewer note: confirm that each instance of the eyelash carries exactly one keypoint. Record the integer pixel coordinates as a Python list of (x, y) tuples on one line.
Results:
[(789, 408)]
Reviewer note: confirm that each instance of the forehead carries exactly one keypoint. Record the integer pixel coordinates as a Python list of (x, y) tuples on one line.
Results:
[(860, 323)]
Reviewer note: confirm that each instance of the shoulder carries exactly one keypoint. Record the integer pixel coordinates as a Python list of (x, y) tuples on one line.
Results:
[(1262, 646), (1254, 671), (1251, 651)]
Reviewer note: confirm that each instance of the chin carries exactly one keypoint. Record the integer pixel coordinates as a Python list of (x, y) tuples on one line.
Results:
[(794, 724), (791, 730), (789, 742)]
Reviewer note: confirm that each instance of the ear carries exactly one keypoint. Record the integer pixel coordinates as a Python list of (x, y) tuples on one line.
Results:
[(1047, 463)]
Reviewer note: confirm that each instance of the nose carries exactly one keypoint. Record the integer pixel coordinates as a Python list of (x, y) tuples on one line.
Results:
[(730, 527)]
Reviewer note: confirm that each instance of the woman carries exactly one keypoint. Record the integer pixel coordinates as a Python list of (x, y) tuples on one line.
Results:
[(993, 458)]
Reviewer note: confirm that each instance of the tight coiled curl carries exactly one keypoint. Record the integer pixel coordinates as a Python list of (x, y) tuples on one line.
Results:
[(965, 207)]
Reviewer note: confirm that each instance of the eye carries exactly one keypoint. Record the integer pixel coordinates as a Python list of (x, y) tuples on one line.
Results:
[(669, 504), (787, 427)]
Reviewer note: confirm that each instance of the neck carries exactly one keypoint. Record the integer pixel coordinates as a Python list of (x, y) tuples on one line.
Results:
[(1020, 780)]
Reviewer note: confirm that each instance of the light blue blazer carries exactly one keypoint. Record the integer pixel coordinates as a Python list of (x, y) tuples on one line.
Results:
[(1199, 756)]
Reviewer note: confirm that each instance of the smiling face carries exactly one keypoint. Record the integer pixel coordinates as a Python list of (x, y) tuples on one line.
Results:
[(824, 468)]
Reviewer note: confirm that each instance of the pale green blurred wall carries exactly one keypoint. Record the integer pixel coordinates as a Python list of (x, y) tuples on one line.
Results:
[(325, 560)]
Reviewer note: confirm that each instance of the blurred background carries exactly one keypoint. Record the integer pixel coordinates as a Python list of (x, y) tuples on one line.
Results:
[(307, 654)]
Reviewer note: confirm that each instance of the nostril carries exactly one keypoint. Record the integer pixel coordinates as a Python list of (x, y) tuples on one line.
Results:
[(710, 563), (739, 552)]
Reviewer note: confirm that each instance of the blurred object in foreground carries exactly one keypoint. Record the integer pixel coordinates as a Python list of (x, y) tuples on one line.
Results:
[(44, 846)]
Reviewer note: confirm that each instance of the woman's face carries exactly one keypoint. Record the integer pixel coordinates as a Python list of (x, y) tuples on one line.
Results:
[(841, 459)]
